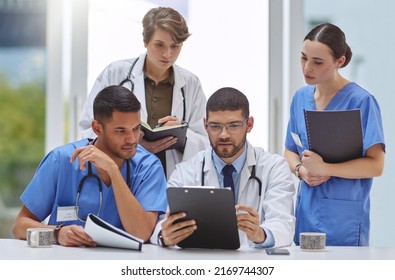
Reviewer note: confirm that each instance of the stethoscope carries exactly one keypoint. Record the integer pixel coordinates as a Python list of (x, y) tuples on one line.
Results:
[(129, 80), (99, 184), (252, 177)]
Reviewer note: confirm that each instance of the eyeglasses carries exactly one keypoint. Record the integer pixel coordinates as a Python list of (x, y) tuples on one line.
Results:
[(233, 127)]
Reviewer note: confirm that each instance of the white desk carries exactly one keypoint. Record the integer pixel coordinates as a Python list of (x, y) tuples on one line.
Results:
[(11, 249)]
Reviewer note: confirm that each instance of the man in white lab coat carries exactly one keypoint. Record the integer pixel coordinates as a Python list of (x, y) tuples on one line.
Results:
[(264, 196)]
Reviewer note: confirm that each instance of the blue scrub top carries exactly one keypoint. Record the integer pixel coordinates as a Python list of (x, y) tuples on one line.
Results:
[(55, 184), (339, 207)]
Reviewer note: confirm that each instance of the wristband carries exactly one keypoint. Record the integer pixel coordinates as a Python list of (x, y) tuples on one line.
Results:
[(161, 242), (297, 174), (56, 233)]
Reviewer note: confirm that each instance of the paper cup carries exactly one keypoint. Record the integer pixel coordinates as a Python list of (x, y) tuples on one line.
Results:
[(312, 241), (39, 237)]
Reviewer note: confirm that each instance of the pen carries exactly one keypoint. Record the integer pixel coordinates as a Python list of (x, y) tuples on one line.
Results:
[(161, 124)]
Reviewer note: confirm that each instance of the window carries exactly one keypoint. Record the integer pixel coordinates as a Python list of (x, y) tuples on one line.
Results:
[(22, 99)]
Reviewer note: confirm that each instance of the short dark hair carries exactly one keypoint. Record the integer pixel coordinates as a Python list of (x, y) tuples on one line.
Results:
[(228, 99), (166, 19), (114, 98), (333, 37)]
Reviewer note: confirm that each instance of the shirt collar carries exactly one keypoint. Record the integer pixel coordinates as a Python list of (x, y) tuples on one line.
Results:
[(237, 164), (170, 79)]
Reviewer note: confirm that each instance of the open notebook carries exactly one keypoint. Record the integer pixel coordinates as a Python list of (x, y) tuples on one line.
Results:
[(105, 234), (156, 133)]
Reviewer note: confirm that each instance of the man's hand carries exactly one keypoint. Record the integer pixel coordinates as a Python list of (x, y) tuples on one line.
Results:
[(248, 221), (173, 233), (94, 155), (74, 236)]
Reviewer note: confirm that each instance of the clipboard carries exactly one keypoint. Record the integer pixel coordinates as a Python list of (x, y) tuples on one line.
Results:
[(213, 210)]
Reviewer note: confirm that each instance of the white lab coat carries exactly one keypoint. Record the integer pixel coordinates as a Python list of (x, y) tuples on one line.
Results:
[(276, 203), (195, 103)]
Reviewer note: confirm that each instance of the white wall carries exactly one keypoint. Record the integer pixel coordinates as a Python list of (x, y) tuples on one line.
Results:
[(115, 32)]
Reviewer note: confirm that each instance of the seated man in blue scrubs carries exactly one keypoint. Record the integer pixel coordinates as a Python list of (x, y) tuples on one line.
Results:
[(133, 181)]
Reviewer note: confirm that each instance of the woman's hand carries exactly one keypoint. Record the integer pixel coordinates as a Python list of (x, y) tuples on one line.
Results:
[(161, 144), (158, 145), (312, 169)]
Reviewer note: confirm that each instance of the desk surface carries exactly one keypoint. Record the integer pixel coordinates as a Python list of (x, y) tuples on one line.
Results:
[(11, 249)]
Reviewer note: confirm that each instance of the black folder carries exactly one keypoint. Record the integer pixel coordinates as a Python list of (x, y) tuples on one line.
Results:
[(335, 135), (213, 210)]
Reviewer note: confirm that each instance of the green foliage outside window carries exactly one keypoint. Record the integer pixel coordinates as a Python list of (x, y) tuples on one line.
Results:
[(22, 137)]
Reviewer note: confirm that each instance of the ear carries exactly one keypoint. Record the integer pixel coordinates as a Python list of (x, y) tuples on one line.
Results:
[(97, 127), (341, 61), (205, 123), (250, 124)]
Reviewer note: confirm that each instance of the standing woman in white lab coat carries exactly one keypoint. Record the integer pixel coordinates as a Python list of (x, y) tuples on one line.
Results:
[(168, 93)]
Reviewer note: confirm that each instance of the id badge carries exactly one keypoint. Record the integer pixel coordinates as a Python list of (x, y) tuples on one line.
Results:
[(66, 213), (296, 139)]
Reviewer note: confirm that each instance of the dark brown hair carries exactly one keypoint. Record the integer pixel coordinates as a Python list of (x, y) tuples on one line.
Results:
[(333, 37), (228, 99), (114, 98)]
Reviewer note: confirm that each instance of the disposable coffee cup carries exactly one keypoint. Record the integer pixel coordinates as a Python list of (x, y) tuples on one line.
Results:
[(40, 237), (312, 241)]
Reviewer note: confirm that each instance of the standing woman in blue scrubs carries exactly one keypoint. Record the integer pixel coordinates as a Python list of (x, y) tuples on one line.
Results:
[(333, 197)]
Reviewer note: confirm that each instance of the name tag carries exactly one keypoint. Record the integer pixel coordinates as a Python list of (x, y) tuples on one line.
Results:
[(66, 213), (297, 139)]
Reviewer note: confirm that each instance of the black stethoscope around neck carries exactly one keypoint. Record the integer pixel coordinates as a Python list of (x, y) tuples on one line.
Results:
[(129, 80), (99, 185), (252, 177)]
